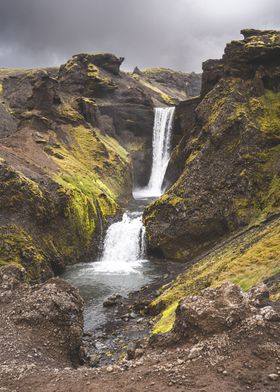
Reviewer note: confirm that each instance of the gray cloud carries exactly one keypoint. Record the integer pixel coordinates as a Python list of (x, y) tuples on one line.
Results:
[(173, 33)]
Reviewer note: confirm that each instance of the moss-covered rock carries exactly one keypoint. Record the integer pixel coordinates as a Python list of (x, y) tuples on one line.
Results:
[(173, 86), (63, 177), (230, 162)]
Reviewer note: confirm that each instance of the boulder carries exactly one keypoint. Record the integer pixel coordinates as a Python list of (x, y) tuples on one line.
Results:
[(54, 305), (219, 310)]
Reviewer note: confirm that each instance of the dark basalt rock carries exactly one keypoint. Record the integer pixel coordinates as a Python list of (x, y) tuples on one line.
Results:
[(228, 156), (212, 72), (108, 61), (258, 53)]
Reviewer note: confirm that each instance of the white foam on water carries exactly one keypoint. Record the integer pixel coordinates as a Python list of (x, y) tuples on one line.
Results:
[(124, 246)]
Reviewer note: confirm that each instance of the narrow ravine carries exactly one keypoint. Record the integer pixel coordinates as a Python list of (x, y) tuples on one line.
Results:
[(123, 266)]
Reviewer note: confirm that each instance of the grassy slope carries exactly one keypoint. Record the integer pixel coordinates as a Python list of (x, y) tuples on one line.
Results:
[(249, 258), (253, 256)]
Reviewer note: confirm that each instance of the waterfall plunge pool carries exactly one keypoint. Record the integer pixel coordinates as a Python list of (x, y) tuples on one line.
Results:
[(117, 272)]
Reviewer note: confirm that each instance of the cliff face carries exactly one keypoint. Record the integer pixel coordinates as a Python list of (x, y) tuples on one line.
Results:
[(69, 138), (226, 167), (175, 85)]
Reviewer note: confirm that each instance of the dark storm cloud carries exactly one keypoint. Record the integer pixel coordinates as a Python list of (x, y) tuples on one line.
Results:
[(175, 33)]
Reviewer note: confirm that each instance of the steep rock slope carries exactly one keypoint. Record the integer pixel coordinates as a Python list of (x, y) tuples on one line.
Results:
[(69, 138), (174, 85), (61, 177), (226, 167)]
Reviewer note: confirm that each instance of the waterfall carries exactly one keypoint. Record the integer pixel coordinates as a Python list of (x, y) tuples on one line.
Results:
[(161, 148), (124, 245), (162, 133)]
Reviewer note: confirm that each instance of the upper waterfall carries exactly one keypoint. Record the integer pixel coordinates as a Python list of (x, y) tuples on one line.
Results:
[(162, 134)]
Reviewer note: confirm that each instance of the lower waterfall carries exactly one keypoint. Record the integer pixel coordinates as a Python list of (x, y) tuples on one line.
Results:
[(124, 245)]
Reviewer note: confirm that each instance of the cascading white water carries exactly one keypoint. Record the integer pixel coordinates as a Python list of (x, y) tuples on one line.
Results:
[(161, 148), (124, 245), (162, 133)]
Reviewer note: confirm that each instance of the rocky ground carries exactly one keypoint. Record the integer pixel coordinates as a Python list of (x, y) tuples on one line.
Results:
[(223, 340)]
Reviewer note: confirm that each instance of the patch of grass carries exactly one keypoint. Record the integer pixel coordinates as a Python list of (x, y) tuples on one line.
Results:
[(246, 260)]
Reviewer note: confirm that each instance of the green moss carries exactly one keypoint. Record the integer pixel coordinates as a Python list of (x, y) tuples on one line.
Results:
[(92, 179), (263, 115), (166, 322), (18, 192), (265, 41), (246, 260), (136, 146), (192, 156), (268, 112), (68, 111), (93, 174), (155, 70), (167, 99), (95, 164), (18, 248), (227, 88), (81, 215), (99, 81)]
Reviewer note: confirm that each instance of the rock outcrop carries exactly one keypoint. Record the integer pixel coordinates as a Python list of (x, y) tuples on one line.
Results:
[(226, 167), (43, 323), (175, 85), (222, 309)]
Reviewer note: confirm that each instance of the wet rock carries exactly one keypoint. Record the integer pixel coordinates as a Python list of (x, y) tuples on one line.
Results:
[(112, 301)]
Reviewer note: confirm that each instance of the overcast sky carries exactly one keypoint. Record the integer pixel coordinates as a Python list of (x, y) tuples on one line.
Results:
[(179, 34)]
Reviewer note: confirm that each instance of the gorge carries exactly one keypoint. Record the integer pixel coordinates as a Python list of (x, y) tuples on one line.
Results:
[(160, 203), (123, 265)]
